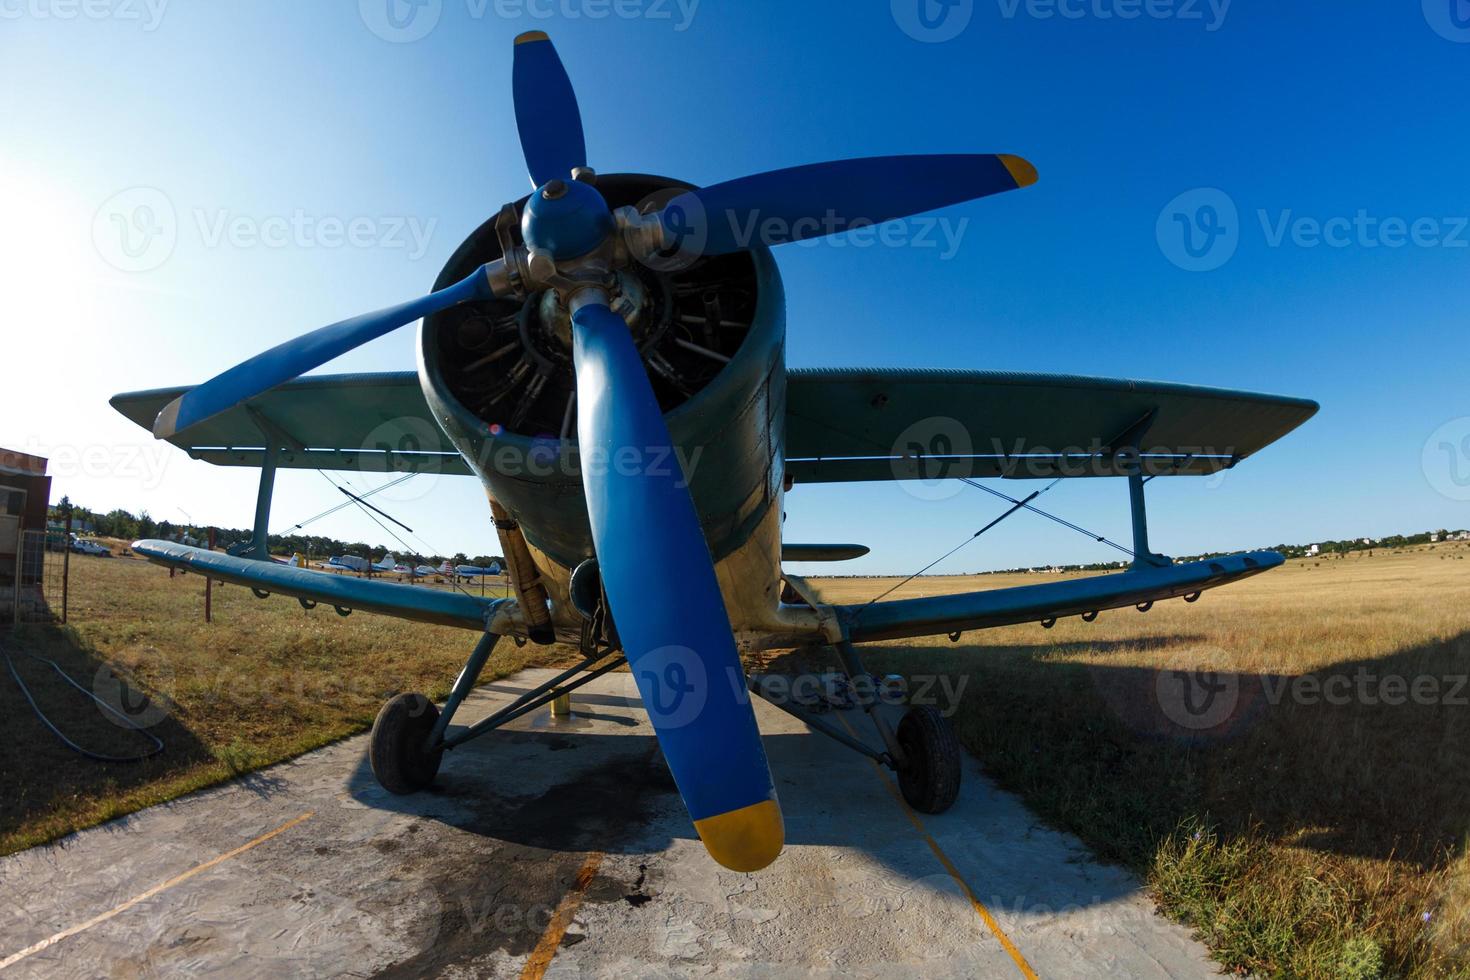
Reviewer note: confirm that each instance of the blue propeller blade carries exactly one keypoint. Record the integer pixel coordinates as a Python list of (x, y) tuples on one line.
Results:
[(828, 198), (546, 110), (299, 355), (666, 601)]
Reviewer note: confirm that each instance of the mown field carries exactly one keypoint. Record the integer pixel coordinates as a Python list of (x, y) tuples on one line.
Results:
[(1286, 762), (1309, 820), (265, 681)]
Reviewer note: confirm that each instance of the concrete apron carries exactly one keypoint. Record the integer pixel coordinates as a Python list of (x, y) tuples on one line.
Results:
[(560, 847)]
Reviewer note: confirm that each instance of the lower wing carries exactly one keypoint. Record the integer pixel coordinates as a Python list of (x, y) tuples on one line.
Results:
[(1038, 603), (345, 592)]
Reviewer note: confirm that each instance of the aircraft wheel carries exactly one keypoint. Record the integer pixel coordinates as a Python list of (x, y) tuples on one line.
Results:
[(397, 748), (930, 776)]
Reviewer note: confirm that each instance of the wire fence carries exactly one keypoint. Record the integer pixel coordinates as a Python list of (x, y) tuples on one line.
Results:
[(34, 588)]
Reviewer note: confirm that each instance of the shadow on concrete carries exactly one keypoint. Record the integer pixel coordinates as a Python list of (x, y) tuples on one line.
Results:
[(576, 787), (1365, 758)]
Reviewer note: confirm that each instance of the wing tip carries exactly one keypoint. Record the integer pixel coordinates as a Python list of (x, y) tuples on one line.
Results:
[(529, 37)]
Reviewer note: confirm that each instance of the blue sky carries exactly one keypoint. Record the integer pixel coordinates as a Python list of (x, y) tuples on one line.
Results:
[(248, 119)]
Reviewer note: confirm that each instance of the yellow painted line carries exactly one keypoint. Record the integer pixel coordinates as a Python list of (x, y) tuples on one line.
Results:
[(949, 866), (50, 941), (540, 957)]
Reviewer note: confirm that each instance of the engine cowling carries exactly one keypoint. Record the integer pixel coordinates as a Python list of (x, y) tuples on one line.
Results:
[(498, 376)]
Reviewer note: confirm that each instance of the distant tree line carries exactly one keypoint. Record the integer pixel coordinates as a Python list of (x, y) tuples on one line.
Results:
[(120, 523), (1347, 545), (1341, 547)]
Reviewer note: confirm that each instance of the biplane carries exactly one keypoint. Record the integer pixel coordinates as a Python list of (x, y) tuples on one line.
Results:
[(607, 356)]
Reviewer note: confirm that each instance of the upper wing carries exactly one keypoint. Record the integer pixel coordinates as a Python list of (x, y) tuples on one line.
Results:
[(415, 602), (856, 425), (374, 422)]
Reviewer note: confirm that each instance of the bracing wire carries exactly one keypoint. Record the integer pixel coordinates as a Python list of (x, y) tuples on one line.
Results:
[(1021, 504), (1051, 517), (453, 579), (332, 510), (1018, 505)]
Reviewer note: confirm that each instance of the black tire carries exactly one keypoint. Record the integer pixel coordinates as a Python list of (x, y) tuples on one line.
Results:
[(397, 748), (930, 775)]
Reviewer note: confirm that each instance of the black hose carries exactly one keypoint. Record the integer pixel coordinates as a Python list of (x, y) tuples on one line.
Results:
[(126, 721)]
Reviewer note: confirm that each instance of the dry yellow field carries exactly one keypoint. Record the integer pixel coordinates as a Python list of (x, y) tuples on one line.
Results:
[(1302, 830), (1313, 821)]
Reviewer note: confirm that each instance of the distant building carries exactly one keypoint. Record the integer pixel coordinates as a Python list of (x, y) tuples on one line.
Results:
[(25, 495), (1313, 549)]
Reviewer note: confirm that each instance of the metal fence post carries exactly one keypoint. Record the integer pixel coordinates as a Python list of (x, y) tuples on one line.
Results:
[(208, 583), (20, 554), (66, 567)]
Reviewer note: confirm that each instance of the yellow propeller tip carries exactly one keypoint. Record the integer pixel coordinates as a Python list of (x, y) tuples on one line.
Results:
[(1020, 169), (746, 839), (530, 36)]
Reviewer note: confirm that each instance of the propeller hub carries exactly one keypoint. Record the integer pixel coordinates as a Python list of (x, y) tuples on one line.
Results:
[(629, 300), (566, 219)]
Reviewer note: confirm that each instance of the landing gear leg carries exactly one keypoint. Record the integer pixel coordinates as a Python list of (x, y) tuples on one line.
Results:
[(924, 751), (853, 665)]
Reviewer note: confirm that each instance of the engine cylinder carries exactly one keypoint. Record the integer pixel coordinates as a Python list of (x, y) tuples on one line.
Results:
[(498, 376)]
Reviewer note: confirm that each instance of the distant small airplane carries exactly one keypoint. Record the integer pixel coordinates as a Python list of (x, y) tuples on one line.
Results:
[(456, 572), (344, 563), (354, 563)]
